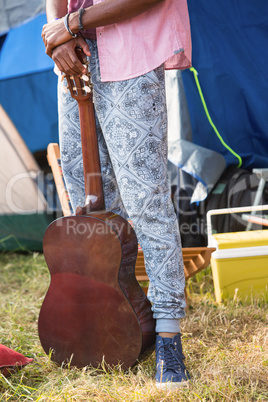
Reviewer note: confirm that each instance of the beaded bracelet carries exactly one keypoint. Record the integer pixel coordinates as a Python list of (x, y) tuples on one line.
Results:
[(81, 12), (66, 23)]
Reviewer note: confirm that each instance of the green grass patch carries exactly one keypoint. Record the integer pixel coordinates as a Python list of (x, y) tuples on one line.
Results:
[(226, 347)]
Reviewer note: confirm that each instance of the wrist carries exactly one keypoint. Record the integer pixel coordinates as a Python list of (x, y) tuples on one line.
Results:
[(74, 22)]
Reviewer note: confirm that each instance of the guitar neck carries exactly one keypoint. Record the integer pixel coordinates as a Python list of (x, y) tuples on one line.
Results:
[(94, 200), (81, 90)]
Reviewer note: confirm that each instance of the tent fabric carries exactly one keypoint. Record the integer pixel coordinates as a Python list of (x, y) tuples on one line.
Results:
[(23, 51), (19, 192), (197, 162), (190, 166), (2, 40), (28, 86), (16, 12), (230, 54), (179, 123), (32, 107), (23, 232), (24, 210)]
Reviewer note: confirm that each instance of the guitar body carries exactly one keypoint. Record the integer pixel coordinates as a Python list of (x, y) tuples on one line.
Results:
[(94, 308)]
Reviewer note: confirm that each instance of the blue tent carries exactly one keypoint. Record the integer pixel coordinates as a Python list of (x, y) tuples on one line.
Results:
[(230, 55), (28, 95), (28, 84)]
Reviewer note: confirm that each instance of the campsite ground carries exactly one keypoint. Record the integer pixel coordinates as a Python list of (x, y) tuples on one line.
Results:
[(226, 347)]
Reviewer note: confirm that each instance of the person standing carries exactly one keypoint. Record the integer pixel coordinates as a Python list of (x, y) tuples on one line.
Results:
[(129, 45)]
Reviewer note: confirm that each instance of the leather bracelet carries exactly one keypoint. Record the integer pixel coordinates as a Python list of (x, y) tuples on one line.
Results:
[(66, 23), (81, 12)]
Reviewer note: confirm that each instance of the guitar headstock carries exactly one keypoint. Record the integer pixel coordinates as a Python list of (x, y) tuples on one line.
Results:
[(80, 87)]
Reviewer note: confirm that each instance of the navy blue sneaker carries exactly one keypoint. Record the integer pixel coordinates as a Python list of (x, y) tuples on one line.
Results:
[(171, 371)]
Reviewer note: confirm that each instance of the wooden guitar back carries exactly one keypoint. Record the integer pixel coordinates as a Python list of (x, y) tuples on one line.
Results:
[(94, 308)]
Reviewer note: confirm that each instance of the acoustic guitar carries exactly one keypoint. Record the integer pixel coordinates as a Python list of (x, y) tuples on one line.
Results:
[(94, 309)]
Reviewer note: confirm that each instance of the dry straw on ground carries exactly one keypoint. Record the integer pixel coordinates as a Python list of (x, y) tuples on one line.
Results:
[(226, 347)]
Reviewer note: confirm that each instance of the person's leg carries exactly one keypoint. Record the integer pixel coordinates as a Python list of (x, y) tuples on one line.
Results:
[(133, 118), (71, 156), (70, 145)]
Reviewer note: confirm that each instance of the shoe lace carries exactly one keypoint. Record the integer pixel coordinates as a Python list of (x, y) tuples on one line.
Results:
[(173, 357)]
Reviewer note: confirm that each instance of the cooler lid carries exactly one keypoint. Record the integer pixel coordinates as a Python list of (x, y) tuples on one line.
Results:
[(253, 238)]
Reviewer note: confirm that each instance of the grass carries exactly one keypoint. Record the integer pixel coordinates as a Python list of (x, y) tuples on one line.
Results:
[(226, 347)]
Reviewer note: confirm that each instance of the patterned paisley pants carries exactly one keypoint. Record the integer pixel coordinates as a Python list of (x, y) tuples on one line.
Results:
[(131, 122)]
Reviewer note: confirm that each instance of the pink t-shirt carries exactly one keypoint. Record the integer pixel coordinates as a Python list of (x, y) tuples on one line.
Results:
[(136, 46)]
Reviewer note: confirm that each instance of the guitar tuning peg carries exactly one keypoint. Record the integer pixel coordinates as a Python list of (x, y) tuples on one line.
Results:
[(85, 77), (66, 89), (87, 90)]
